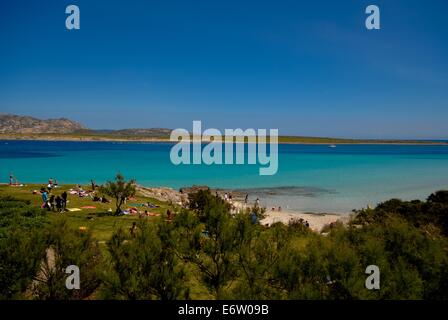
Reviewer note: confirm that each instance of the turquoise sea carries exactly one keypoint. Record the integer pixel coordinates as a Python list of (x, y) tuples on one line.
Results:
[(310, 177)]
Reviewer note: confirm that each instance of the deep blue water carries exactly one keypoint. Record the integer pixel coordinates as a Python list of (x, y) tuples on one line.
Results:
[(309, 178)]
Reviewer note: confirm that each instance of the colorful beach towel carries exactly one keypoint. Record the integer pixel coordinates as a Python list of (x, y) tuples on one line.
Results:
[(151, 214)]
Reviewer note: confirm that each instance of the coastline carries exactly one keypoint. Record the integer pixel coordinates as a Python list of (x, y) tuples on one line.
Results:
[(316, 221), (282, 140)]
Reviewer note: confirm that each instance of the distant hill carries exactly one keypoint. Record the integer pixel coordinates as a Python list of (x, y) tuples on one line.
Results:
[(25, 125), (10, 123), (14, 127)]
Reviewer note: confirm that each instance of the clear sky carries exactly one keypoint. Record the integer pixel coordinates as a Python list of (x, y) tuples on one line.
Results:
[(304, 67)]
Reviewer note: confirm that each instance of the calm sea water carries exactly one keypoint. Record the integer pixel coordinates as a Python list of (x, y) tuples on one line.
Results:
[(310, 177)]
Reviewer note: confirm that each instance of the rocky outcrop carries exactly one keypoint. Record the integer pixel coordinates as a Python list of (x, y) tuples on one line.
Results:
[(163, 194), (13, 124)]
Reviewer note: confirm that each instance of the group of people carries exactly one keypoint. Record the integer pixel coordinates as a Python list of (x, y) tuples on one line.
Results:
[(52, 202), (228, 198)]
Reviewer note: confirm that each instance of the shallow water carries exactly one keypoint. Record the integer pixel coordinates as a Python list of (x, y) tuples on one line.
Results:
[(310, 177)]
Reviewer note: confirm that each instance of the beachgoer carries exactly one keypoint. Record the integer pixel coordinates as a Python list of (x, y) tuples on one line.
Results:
[(307, 224), (253, 218), (44, 194), (58, 203), (46, 204), (51, 202), (133, 229), (64, 200), (93, 184), (246, 199), (279, 208), (10, 179), (257, 202)]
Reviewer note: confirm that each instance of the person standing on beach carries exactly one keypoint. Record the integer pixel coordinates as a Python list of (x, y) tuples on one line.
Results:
[(93, 185), (246, 199), (257, 202)]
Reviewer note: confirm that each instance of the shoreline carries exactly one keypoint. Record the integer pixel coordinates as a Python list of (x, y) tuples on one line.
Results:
[(169, 195), (317, 221), (336, 141)]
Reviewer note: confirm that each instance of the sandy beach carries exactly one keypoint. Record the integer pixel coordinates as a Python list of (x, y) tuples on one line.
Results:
[(316, 221)]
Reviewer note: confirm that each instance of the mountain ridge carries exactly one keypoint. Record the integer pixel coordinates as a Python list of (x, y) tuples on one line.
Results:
[(18, 124), (11, 123)]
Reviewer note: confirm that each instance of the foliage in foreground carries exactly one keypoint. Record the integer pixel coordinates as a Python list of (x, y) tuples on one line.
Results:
[(231, 257)]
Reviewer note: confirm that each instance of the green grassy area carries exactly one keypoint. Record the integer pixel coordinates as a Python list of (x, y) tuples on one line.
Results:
[(99, 221)]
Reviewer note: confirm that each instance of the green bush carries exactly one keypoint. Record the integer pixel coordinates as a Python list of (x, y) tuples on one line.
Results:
[(22, 246)]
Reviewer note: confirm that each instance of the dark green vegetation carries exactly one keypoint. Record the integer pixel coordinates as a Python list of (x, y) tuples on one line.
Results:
[(205, 252), (120, 190)]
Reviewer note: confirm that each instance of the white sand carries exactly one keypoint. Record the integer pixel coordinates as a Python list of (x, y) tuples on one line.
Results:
[(316, 221)]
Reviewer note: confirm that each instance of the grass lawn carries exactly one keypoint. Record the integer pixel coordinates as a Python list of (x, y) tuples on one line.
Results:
[(99, 221)]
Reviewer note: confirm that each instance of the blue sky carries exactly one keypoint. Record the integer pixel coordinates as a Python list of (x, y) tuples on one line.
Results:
[(305, 67)]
